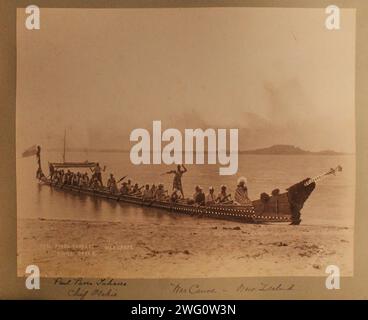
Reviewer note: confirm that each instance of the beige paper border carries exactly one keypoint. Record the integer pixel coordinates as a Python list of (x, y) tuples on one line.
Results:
[(304, 287)]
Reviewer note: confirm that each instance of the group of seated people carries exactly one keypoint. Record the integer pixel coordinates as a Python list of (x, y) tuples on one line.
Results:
[(211, 198), (199, 198), (73, 179), (153, 192), (223, 197)]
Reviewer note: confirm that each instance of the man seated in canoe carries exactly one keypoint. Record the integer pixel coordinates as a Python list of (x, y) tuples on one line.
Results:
[(79, 180), (196, 192), (147, 193), (174, 196), (59, 177), (241, 193), (197, 189), (124, 188), (129, 185), (73, 179), (94, 183), (136, 190), (211, 198), (67, 177), (200, 197), (55, 176), (111, 184), (161, 193), (85, 180), (153, 189), (76, 179), (223, 197)]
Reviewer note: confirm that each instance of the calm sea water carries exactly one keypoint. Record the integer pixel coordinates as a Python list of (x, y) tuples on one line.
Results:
[(332, 202)]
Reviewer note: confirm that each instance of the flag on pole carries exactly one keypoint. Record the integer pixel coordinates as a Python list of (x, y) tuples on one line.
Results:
[(32, 151)]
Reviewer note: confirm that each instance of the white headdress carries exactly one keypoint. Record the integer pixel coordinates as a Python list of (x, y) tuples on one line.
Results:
[(242, 179)]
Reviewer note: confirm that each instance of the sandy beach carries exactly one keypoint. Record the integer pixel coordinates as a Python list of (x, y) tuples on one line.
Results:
[(181, 248)]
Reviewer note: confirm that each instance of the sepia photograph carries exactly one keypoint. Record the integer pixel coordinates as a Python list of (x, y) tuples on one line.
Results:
[(176, 143)]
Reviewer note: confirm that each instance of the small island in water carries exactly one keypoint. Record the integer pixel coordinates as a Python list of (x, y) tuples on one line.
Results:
[(285, 149)]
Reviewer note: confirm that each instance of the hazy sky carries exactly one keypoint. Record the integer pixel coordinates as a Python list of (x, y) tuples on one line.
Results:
[(276, 74)]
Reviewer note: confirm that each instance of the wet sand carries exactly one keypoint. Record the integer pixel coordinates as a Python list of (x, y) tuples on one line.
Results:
[(182, 248)]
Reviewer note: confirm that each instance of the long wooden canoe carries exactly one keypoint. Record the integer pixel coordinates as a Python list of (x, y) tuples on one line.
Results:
[(279, 207)]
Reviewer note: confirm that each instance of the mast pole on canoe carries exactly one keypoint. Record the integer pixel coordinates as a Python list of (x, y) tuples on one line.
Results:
[(64, 145)]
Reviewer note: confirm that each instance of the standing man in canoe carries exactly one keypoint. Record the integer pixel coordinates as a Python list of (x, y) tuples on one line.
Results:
[(97, 173), (177, 178)]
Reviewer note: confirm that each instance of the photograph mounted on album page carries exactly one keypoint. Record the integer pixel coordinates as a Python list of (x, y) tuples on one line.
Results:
[(193, 150)]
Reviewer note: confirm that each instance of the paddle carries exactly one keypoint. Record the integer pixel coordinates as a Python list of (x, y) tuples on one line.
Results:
[(122, 178), (168, 172), (137, 191), (225, 198)]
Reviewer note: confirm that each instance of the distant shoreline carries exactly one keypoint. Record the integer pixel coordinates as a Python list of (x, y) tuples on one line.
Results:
[(249, 152)]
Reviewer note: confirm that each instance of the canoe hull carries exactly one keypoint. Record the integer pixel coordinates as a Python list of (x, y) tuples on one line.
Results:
[(276, 209)]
